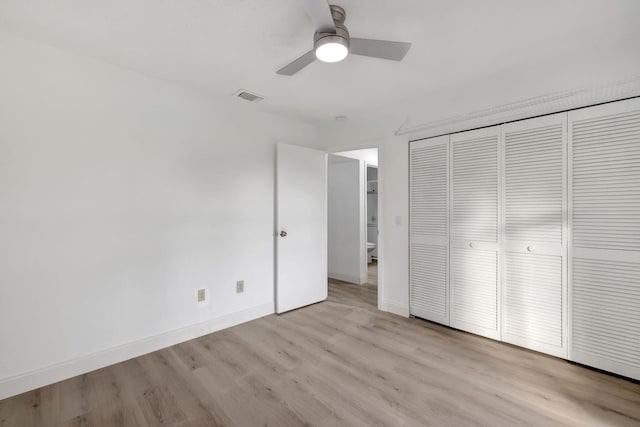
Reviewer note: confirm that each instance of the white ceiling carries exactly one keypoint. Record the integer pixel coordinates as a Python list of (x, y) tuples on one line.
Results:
[(224, 45)]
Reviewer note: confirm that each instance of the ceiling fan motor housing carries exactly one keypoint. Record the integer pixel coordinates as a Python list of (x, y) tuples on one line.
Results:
[(341, 36)]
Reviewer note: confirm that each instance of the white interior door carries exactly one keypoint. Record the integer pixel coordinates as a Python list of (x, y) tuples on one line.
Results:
[(475, 232), (535, 234), (604, 191), (301, 227), (429, 237)]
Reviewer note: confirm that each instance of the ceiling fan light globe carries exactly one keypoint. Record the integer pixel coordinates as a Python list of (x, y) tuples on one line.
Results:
[(332, 49)]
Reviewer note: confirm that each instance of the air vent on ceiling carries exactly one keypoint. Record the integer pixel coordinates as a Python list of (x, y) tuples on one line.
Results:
[(248, 96)]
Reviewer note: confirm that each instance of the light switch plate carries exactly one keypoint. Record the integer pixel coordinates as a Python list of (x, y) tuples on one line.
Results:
[(239, 286), (201, 295)]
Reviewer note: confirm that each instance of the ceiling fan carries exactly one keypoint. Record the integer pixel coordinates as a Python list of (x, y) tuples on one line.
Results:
[(332, 43)]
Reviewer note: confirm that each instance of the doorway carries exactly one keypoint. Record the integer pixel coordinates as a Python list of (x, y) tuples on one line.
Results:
[(371, 209), (353, 219)]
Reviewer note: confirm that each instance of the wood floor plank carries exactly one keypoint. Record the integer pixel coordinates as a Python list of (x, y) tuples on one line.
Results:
[(189, 397), (337, 363)]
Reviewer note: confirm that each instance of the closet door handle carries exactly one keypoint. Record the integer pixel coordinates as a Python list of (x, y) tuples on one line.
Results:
[(529, 248), (472, 245), (283, 233)]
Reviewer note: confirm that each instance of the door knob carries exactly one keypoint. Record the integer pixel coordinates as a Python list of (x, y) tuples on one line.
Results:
[(471, 245), (283, 233)]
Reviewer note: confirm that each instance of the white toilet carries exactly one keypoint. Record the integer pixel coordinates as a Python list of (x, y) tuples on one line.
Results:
[(370, 248)]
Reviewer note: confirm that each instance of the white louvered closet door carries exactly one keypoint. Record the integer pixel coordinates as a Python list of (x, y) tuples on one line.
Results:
[(534, 293), (605, 242), (429, 242), (475, 232)]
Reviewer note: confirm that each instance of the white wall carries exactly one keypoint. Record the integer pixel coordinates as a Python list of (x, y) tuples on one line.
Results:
[(346, 212), (120, 196), (393, 184)]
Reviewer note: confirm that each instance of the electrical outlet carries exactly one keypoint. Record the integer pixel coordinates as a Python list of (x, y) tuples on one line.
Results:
[(201, 295), (239, 286)]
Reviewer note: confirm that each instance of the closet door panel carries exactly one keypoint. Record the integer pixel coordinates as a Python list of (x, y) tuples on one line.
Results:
[(606, 314), (429, 274), (429, 224), (475, 186), (474, 291), (605, 239), (535, 229), (475, 231), (534, 297)]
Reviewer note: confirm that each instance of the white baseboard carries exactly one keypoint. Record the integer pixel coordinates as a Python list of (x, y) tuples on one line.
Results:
[(346, 278), (27, 381), (395, 308)]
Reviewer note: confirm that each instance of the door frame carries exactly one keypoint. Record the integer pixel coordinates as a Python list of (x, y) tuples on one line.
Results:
[(363, 146), (368, 165)]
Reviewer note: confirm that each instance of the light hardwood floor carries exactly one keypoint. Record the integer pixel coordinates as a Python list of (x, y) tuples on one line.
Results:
[(364, 296), (339, 362)]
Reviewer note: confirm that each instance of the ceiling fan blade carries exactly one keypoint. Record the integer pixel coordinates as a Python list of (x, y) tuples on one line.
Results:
[(382, 49), (320, 14), (298, 64)]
